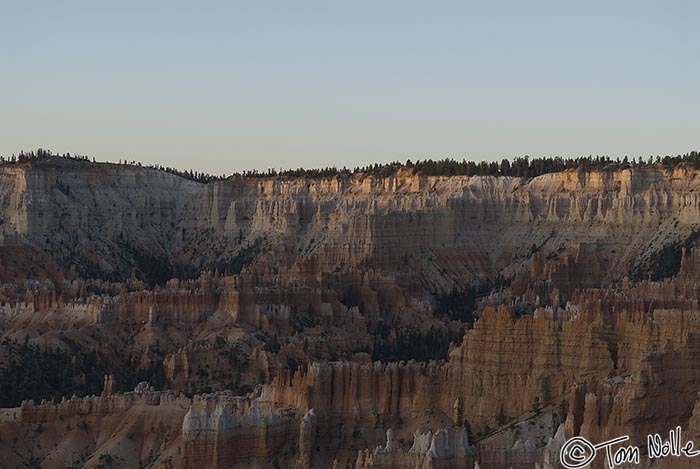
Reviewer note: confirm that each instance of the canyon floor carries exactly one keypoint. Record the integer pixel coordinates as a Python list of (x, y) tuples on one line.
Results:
[(352, 321)]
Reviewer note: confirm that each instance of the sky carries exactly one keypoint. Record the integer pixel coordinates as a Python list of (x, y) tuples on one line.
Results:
[(226, 86)]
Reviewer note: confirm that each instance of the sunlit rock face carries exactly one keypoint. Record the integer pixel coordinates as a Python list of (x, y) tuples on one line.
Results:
[(102, 216), (272, 322)]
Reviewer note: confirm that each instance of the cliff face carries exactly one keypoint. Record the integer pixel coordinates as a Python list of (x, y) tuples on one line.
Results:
[(309, 298), (103, 217), (581, 377), (505, 366)]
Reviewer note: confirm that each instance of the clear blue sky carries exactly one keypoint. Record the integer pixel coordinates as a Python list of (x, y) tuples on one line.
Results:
[(225, 86)]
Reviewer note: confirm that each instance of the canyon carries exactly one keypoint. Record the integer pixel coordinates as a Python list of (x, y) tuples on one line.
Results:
[(360, 320)]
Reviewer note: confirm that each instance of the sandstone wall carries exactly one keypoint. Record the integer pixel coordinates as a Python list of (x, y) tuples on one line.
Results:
[(475, 227)]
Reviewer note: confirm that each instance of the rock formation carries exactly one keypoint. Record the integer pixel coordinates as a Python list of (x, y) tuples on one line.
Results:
[(401, 321)]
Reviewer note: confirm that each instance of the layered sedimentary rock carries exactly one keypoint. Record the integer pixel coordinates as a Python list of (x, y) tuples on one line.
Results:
[(307, 297), (475, 227), (645, 361), (308, 432), (222, 439), (625, 376), (443, 449)]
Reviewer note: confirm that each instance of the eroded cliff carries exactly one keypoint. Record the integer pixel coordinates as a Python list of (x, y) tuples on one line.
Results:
[(356, 321)]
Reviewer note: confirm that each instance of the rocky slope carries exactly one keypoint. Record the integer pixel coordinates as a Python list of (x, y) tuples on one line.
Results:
[(534, 311)]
